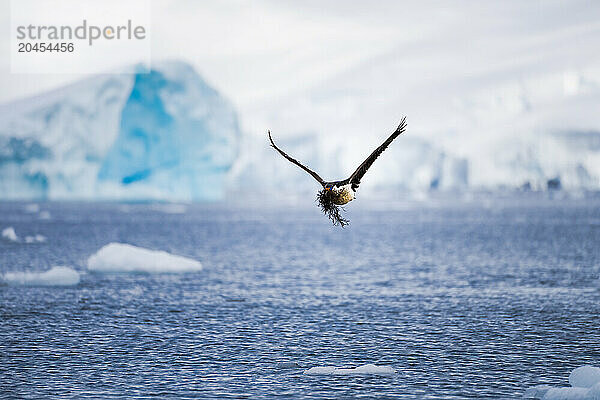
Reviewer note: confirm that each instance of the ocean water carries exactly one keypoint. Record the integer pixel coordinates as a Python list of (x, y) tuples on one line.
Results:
[(462, 300)]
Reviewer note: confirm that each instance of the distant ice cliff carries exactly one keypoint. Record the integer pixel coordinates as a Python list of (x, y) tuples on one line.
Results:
[(167, 135)]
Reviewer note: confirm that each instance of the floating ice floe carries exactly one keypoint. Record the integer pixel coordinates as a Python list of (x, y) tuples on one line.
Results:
[(32, 208), (367, 369), (171, 208), (585, 385), (121, 257), (44, 215), (35, 239), (287, 365), (10, 234), (56, 276)]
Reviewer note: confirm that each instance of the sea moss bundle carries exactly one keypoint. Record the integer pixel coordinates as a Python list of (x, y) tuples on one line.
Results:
[(325, 200)]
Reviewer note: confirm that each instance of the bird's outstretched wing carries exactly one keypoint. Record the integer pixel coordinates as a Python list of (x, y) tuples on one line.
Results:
[(362, 169), (290, 159)]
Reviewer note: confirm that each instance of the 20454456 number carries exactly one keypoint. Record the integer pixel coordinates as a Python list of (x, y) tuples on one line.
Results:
[(46, 47)]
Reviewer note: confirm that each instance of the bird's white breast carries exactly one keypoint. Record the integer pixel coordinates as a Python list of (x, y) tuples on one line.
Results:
[(344, 194)]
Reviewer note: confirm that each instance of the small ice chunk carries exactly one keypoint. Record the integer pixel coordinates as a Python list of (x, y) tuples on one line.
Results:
[(367, 369), (585, 377), (171, 208), (10, 234), (287, 365), (567, 393), (32, 208), (321, 371), (536, 392), (44, 215), (121, 257), (56, 276), (585, 382), (35, 239)]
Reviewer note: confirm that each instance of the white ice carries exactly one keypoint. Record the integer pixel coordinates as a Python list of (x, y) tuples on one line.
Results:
[(10, 234), (585, 385), (367, 369), (172, 208), (35, 239), (32, 208), (586, 376), (56, 276), (121, 257)]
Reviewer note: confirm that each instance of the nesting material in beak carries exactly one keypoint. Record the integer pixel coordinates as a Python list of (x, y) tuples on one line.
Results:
[(325, 200)]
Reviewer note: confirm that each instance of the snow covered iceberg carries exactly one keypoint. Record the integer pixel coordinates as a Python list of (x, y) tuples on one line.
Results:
[(161, 133), (122, 257)]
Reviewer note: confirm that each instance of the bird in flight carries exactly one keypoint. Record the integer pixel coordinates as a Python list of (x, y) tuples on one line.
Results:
[(337, 193)]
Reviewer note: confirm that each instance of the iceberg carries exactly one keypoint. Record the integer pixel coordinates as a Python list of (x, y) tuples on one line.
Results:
[(10, 234), (503, 127), (161, 133), (56, 276), (567, 161), (367, 369), (408, 165), (164, 134), (585, 385), (35, 239), (585, 376), (122, 257)]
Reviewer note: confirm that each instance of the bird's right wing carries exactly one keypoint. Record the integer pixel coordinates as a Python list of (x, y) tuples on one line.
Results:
[(294, 161), (362, 169)]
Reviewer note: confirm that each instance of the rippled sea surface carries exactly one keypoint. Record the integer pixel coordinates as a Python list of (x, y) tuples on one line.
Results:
[(462, 300)]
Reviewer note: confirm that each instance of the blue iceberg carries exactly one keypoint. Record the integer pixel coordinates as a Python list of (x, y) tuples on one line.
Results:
[(159, 134)]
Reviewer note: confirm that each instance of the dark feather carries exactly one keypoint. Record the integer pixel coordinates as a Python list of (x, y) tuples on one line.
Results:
[(364, 167), (325, 197), (311, 172)]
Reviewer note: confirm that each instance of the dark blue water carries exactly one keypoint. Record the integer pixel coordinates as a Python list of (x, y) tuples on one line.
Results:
[(462, 300)]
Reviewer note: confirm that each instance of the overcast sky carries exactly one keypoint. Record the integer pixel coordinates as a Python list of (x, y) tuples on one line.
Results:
[(317, 65)]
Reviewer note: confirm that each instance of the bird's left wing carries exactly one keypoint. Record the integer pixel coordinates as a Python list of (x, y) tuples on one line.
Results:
[(311, 172), (362, 169)]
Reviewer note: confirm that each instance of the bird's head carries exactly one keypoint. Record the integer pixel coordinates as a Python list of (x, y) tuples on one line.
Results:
[(329, 186)]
